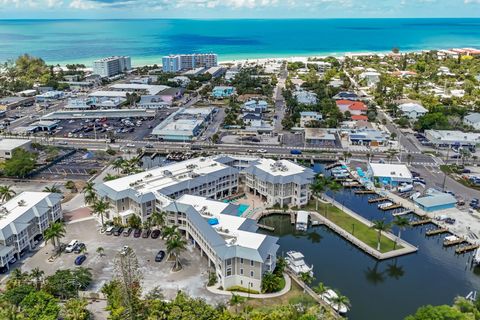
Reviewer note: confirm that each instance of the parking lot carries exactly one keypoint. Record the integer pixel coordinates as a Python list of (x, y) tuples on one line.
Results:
[(191, 279)]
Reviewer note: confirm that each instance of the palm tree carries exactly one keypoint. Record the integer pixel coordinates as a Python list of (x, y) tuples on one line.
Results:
[(101, 251), (270, 282), (100, 207), (235, 300), (158, 219), (54, 233), (380, 225), (109, 177), (118, 164), (320, 288), (307, 278), (169, 232), (402, 223), (6, 193), (334, 186), (280, 265), (340, 300), (89, 188), (17, 278), (90, 198), (37, 275), (52, 189), (75, 309), (174, 246), (318, 187)]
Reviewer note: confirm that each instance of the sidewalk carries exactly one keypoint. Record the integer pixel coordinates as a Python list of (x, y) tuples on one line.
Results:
[(288, 286)]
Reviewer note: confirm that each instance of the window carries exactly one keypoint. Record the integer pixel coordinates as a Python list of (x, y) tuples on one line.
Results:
[(229, 272), (229, 262), (241, 260), (252, 274), (251, 263), (241, 271)]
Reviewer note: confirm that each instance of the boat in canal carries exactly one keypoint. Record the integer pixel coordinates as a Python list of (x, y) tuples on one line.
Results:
[(385, 205), (296, 263), (329, 297), (476, 257)]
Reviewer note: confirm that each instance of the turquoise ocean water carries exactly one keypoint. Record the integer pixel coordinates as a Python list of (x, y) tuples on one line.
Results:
[(62, 41)]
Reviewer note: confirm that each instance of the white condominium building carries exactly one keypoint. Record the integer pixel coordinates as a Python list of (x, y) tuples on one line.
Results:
[(279, 182), (141, 193), (239, 255), (111, 66), (175, 63), (23, 220)]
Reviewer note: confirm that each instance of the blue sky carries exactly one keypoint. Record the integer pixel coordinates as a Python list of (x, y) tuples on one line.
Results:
[(237, 8)]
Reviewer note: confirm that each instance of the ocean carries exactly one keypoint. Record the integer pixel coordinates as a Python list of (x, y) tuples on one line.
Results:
[(146, 41)]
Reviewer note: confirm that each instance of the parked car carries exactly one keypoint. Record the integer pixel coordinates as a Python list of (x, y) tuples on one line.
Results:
[(12, 260), (127, 232), (80, 246), (109, 230), (118, 231), (295, 151), (146, 233), (137, 233), (71, 246), (80, 259), (160, 255), (262, 150), (155, 234), (149, 146)]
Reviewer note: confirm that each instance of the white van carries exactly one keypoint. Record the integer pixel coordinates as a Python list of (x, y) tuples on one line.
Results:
[(71, 246)]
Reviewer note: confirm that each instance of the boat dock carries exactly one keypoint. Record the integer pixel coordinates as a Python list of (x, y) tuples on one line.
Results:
[(391, 207), (364, 192), (351, 184), (449, 243), (420, 222), (434, 232), (333, 165), (466, 248), (378, 199)]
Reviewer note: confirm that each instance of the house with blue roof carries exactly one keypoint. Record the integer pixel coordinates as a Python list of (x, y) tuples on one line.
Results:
[(221, 92)]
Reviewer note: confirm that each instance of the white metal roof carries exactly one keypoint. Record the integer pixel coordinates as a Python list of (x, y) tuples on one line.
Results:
[(398, 171), (10, 144)]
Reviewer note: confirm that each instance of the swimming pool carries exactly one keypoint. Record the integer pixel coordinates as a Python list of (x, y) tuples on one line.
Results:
[(242, 208)]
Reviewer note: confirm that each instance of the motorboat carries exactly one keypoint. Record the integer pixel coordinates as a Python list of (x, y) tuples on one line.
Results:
[(476, 257), (329, 297), (296, 263), (385, 205)]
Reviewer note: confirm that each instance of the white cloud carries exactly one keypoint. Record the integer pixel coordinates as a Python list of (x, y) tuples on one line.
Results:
[(472, 1)]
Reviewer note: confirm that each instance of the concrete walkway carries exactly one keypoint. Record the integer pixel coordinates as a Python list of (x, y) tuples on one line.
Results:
[(288, 286)]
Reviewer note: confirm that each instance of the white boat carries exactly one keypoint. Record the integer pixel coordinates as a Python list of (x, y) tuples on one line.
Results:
[(296, 263), (451, 238), (385, 204), (476, 257), (329, 297)]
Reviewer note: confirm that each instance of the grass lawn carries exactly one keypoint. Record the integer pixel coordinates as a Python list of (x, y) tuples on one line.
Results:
[(296, 292), (347, 223)]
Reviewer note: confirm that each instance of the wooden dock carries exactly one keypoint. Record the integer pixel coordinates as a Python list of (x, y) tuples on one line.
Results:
[(467, 248), (265, 227), (333, 165), (449, 243), (420, 222), (348, 184), (393, 206), (364, 192), (378, 199), (434, 232)]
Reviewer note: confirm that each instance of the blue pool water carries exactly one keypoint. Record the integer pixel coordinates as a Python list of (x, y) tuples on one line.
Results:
[(242, 208)]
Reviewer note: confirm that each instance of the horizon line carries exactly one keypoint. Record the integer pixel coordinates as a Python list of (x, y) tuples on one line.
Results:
[(245, 18)]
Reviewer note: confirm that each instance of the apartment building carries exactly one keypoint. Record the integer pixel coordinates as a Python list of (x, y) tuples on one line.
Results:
[(175, 63), (111, 66), (239, 255), (23, 220), (144, 192), (279, 182)]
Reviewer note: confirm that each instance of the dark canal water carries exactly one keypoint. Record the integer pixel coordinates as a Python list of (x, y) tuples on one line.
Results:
[(383, 290)]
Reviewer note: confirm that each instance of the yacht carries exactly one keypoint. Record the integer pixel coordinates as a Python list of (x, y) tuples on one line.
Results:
[(329, 297), (296, 263)]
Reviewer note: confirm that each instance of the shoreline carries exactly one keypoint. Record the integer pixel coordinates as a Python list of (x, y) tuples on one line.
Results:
[(260, 58)]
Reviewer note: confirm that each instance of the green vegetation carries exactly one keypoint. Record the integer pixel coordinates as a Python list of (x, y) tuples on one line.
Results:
[(462, 309), (20, 164), (6, 193), (242, 289), (31, 296), (252, 81), (353, 226)]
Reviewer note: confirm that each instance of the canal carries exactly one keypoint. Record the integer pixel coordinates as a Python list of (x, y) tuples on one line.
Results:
[(388, 289)]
